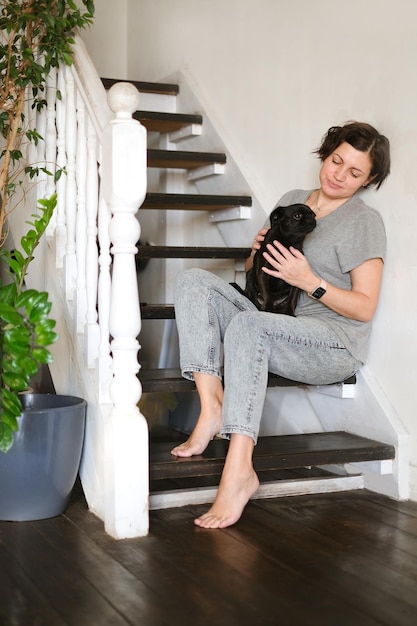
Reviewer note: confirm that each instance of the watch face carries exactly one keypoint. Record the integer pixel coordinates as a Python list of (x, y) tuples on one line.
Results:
[(318, 293)]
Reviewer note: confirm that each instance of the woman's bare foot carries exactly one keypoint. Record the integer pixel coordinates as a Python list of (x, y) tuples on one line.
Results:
[(210, 391), (232, 497), (203, 433), (237, 485)]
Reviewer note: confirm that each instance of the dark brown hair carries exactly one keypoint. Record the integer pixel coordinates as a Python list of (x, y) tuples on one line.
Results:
[(365, 138)]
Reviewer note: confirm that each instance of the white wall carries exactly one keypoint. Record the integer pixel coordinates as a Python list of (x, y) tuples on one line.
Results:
[(274, 75), (106, 39)]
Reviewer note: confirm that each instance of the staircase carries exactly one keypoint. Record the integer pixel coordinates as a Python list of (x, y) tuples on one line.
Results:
[(286, 464)]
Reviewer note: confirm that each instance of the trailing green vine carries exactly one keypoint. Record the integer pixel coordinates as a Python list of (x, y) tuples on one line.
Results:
[(35, 36)]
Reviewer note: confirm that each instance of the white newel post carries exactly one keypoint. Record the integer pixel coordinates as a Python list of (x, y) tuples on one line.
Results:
[(123, 175)]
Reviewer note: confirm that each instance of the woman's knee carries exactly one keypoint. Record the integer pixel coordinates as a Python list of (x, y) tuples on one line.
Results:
[(185, 276), (242, 327), (189, 280)]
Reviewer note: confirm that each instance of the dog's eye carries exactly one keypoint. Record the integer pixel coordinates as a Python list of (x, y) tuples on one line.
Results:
[(297, 216)]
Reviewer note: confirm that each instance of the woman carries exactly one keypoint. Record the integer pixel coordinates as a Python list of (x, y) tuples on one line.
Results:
[(339, 274)]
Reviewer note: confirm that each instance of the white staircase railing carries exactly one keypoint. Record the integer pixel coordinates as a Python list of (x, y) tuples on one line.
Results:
[(90, 274)]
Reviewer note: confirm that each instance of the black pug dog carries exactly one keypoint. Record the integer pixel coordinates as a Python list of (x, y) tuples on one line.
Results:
[(289, 226)]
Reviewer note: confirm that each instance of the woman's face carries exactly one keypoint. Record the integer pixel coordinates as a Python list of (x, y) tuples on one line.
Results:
[(345, 171)]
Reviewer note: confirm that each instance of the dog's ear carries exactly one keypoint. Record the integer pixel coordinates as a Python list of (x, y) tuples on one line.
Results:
[(276, 215)]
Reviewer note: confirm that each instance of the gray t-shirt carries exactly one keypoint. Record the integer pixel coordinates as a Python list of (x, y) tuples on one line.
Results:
[(341, 241)]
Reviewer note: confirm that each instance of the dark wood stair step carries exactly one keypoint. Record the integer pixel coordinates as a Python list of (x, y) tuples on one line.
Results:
[(199, 202), (190, 252), (170, 380), (155, 121), (198, 482), (185, 160), (157, 311), (272, 453), (168, 89)]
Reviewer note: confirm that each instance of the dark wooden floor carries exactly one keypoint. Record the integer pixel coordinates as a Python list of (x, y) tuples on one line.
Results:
[(347, 559)]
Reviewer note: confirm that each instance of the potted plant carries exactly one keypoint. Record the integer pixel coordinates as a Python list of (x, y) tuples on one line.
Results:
[(35, 36)]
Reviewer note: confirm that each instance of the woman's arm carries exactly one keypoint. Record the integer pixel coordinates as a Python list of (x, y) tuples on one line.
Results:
[(359, 303)]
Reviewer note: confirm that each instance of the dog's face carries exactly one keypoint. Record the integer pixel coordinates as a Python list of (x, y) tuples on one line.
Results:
[(296, 220)]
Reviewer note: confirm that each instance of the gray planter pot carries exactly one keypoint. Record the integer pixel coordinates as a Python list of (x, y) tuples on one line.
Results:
[(38, 474)]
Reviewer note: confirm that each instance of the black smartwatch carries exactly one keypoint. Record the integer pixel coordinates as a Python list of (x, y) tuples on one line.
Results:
[(319, 291)]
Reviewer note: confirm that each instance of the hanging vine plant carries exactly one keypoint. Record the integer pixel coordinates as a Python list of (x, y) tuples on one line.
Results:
[(35, 36)]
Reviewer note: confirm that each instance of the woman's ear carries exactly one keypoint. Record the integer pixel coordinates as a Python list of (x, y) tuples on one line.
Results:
[(369, 181)]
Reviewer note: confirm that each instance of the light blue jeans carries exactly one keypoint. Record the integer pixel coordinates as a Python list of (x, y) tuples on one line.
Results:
[(211, 313)]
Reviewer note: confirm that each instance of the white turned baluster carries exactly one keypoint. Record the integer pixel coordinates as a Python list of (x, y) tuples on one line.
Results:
[(70, 265), (92, 335), (32, 150), (61, 229), (25, 147), (103, 370), (40, 159), (81, 218), (50, 141), (126, 439)]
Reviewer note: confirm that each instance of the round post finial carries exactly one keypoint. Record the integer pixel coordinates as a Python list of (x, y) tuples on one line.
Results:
[(123, 99)]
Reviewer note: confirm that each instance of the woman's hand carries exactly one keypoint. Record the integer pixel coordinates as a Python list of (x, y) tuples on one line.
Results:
[(256, 244), (290, 265), (358, 303)]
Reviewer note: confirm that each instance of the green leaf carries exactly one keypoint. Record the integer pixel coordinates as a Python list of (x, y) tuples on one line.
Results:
[(45, 325), (17, 334), (10, 402), (58, 174), (9, 315), (28, 241), (39, 312), (8, 294), (42, 355), (46, 338), (90, 6), (67, 58), (27, 365), (15, 267), (17, 256), (30, 298), (15, 381), (9, 418), (6, 437), (14, 351)]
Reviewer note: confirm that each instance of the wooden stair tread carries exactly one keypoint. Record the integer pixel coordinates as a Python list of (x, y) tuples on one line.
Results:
[(166, 89), (155, 121), (171, 380), (183, 159), (212, 480), (190, 252), (167, 379), (157, 311), (272, 453), (193, 201)]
